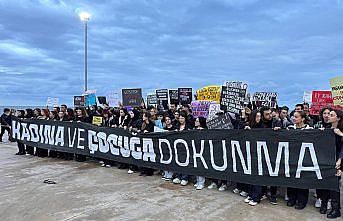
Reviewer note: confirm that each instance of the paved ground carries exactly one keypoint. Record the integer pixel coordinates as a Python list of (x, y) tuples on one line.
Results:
[(86, 191)]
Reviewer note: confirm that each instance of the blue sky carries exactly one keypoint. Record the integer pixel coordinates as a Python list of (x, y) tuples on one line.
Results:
[(283, 46)]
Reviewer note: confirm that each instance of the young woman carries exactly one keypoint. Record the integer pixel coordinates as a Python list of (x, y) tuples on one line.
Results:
[(200, 124), (44, 115), (167, 175), (29, 114), (298, 197), (147, 127), (336, 120), (21, 146), (255, 192), (123, 119), (322, 124), (79, 116), (67, 156), (134, 124), (182, 178), (53, 116)]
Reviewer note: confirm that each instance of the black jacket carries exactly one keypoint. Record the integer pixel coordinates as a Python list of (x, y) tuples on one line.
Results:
[(6, 120)]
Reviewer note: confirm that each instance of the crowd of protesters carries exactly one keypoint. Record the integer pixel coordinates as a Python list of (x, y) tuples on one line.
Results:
[(179, 118)]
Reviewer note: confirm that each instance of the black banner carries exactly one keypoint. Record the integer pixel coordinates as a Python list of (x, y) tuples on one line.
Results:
[(162, 98), (298, 158)]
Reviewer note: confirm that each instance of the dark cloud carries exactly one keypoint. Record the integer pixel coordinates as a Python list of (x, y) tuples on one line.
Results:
[(284, 46)]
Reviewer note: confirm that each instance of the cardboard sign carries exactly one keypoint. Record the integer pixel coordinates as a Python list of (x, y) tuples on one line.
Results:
[(213, 110), (79, 101), (152, 100), (132, 97), (174, 96), (307, 98), (90, 99), (320, 99), (102, 100), (185, 95), (114, 98), (337, 90), (232, 96), (209, 93), (52, 101), (200, 108), (97, 120), (265, 99), (220, 121), (162, 98)]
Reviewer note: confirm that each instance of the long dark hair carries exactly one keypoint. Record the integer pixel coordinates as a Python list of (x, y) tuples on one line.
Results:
[(322, 112), (202, 122), (252, 121), (339, 114)]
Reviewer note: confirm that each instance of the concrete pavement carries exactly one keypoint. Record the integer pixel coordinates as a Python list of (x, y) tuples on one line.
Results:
[(86, 191)]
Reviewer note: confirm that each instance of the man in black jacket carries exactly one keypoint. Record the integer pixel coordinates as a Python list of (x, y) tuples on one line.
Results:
[(6, 124)]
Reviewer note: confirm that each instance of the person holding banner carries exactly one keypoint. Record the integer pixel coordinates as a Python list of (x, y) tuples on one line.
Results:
[(134, 124), (29, 149), (255, 191), (322, 124), (62, 116), (167, 175), (298, 197), (80, 117), (183, 125), (44, 115), (147, 127), (21, 146), (336, 120), (200, 124)]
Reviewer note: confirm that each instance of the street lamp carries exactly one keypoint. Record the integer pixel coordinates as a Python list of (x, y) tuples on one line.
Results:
[(85, 16)]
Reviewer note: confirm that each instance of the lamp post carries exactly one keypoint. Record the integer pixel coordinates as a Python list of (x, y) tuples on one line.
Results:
[(85, 16)]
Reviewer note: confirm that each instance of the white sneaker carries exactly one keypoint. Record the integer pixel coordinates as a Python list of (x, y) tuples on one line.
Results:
[(329, 205), (108, 166), (130, 171), (247, 200), (103, 165), (236, 191), (222, 187), (184, 182), (318, 203), (212, 186), (101, 162), (286, 198), (244, 194), (196, 185), (176, 181), (200, 187), (253, 203)]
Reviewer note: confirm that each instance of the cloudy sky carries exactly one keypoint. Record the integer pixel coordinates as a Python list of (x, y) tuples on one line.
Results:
[(284, 46)]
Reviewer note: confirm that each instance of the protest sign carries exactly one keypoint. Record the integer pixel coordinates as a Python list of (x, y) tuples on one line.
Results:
[(265, 99), (114, 98), (320, 99), (209, 93), (233, 96), (79, 101), (52, 101), (337, 90), (102, 100), (220, 121), (173, 96), (200, 108), (162, 98), (213, 110), (185, 95), (307, 98), (151, 100), (97, 120), (90, 99), (132, 97), (307, 161)]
